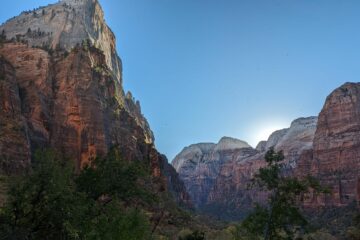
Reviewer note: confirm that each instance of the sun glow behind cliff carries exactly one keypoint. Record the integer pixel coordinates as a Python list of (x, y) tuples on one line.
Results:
[(262, 131)]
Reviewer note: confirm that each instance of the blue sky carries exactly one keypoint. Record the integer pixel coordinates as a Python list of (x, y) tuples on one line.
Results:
[(203, 69)]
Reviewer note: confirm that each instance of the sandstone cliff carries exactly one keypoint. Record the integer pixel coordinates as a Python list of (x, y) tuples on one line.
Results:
[(198, 165), (231, 196), (61, 88), (64, 25), (218, 178), (327, 147), (335, 158)]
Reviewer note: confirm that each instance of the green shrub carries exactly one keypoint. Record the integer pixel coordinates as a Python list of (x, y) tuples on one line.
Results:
[(196, 235)]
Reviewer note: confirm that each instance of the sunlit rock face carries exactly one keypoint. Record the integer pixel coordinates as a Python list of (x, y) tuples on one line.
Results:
[(297, 138), (61, 88), (69, 79), (64, 25), (336, 154)]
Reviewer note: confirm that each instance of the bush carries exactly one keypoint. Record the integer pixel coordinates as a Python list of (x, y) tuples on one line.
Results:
[(196, 235)]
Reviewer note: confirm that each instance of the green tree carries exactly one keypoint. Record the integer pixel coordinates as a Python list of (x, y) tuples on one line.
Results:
[(113, 178), (52, 202), (44, 204), (281, 218)]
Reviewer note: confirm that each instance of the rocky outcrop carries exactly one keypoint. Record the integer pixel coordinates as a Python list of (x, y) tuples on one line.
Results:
[(327, 147), (231, 197), (73, 101), (336, 152), (175, 184), (298, 138), (275, 137), (64, 25), (198, 165), (261, 146), (61, 88), (218, 177)]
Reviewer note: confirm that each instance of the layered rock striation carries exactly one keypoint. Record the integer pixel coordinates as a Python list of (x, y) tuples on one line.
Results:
[(326, 147), (335, 158), (63, 26), (61, 88), (231, 197), (199, 165), (218, 181)]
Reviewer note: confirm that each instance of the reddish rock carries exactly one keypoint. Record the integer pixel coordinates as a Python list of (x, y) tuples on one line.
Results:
[(219, 178), (198, 165), (14, 141), (336, 154), (327, 148), (70, 97)]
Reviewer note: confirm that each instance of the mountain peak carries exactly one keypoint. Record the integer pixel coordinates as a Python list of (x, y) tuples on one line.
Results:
[(65, 25), (78, 2), (229, 143)]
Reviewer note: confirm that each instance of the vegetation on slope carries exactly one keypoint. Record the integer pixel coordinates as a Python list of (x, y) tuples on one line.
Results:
[(281, 218), (115, 199), (53, 202)]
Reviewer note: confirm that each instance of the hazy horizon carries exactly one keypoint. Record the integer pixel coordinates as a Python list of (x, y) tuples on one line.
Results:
[(207, 69)]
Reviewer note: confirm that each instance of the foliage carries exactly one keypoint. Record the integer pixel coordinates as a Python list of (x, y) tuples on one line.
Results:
[(98, 69), (281, 219), (196, 235), (2, 38), (44, 204), (86, 44), (116, 178), (319, 235), (353, 232), (337, 221), (54, 203)]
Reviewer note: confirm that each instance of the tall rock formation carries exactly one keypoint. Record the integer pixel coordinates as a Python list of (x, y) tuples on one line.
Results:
[(14, 142), (336, 153), (231, 197), (198, 165), (61, 87), (218, 177), (327, 147), (64, 25)]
